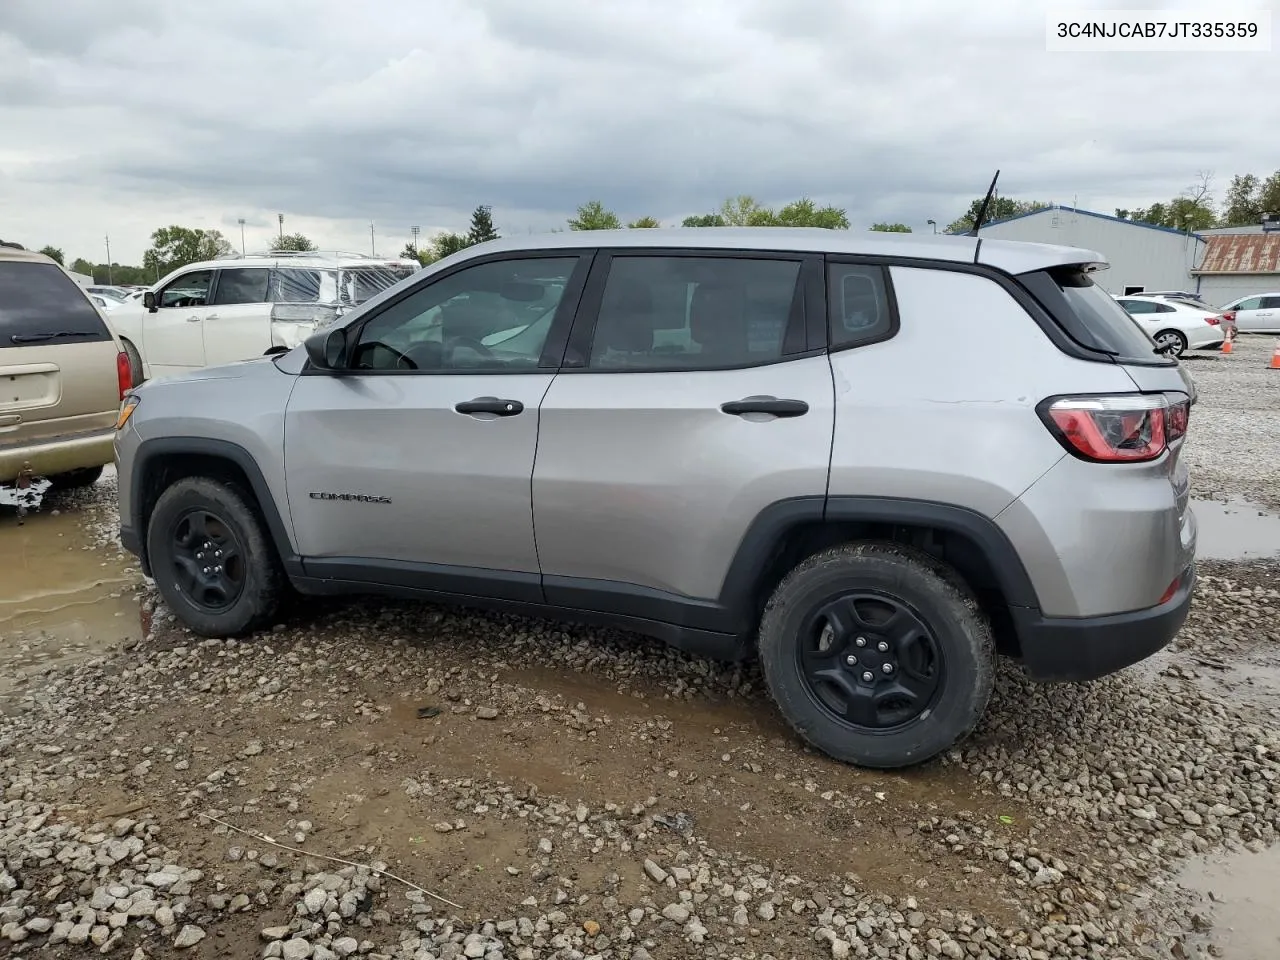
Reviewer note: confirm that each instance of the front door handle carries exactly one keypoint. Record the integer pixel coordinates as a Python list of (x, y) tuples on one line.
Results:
[(770, 405), (495, 405), (194, 318)]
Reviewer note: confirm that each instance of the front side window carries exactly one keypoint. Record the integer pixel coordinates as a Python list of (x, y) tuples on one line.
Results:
[(490, 318), (1270, 303), (242, 285), (858, 304), (663, 313), (1253, 303), (189, 290)]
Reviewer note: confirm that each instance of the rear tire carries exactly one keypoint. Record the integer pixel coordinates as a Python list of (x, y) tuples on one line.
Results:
[(75, 479), (212, 560), (877, 654), (1172, 337), (136, 375)]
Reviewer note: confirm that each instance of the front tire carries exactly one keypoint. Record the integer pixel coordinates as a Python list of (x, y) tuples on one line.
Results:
[(136, 374), (212, 560), (1174, 340), (877, 654)]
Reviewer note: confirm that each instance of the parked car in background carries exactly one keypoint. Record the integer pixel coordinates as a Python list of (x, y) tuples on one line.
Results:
[(1256, 314), (105, 303), (240, 307), (119, 294), (64, 373), (1169, 294), (740, 441), (1176, 325)]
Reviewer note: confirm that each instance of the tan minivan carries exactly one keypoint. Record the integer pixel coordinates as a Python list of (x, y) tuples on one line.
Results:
[(63, 374)]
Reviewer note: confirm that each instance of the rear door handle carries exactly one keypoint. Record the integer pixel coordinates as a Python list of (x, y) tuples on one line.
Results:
[(495, 405), (770, 405), (194, 318)]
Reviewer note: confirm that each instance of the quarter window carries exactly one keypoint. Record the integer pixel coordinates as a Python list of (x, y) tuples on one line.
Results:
[(490, 318), (189, 290), (244, 285), (858, 305), (663, 313)]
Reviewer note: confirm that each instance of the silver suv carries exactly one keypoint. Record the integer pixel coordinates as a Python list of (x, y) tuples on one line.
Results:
[(874, 461)]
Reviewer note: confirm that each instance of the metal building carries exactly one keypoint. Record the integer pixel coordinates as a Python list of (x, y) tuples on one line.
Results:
[(1143, 257), (1238, 262)]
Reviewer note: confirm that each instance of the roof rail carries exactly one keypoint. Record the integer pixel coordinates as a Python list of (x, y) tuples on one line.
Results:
[(318, 254)]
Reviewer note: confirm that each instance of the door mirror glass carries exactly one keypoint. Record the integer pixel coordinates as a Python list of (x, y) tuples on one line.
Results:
[(325, 348), (149, 301)]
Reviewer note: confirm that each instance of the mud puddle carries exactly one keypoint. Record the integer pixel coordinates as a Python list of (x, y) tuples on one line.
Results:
[(1235, 530), (61, 600), (1237, 893)]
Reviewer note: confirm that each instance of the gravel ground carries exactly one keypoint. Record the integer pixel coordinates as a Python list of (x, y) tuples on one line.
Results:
[(573, 793)]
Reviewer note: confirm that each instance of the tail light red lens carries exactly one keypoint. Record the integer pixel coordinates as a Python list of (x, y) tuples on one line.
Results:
[(1213, 321), (1117, 428), (1229, 316), (124, 379)]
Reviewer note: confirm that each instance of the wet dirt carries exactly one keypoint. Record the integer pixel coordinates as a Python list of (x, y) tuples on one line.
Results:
[(1237, 894), (61, 598), (1235, 530)]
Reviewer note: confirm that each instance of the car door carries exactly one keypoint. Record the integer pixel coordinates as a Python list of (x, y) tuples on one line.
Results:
[(238, 324), (1246, 311), (173, 332), (688, 403), (1267, 316), (413, 466)]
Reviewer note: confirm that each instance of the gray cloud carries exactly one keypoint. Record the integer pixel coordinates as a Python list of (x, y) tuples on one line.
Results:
[(401, 112)]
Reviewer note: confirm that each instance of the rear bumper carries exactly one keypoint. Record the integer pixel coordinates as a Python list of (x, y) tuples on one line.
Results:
[(1056, 649), (58, 454)]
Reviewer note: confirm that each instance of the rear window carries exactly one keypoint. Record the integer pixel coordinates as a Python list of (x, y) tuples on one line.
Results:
[(1105, 321), (41, 304)]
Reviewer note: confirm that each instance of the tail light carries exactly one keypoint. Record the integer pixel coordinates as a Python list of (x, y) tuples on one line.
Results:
[(1213, 321), (1117, 428), (124, 378), (1229, 316)]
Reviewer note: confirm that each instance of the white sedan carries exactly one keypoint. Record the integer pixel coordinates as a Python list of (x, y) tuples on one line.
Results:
[(1256, 314), (1175, 324)]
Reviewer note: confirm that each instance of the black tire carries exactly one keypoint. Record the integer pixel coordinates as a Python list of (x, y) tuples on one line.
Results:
[(1175, 337), (136, 376), (75, 479), (252, 584), (944, 648)]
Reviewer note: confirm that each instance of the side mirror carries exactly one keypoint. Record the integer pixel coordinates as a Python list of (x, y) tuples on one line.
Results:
[(149, 301), (326, 347)]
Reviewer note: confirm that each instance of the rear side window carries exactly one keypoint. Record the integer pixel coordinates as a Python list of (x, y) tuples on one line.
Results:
[(859, 305), (698, 313), (41, 304), (1091, 316), (243, 285)]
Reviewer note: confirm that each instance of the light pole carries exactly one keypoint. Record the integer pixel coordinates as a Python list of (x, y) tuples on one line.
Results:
[(108, 239), (415, 231), (373, 250), (281, 216), (241, 222), (934, 224)]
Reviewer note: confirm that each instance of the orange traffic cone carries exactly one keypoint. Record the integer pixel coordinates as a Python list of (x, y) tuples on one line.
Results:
[(1226, 345), (1275, 359)]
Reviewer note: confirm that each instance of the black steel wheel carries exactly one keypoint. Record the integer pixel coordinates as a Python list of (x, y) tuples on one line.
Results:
[(212, 559), (207, 558), (871, 660), (877, 654)]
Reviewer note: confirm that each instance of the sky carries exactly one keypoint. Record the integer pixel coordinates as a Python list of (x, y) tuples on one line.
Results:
[(121, 116)]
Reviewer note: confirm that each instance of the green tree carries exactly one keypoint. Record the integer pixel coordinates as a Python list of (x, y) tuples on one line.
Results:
[(173, 247), (81, 265), (593, 216), (482, 227), (1000, 208), (704, 220), (643, 223), (295, 242), (890, 228), (54, 252), (745, 211), (1269, 195), (446, 244), (1244, 201), (805, 213)]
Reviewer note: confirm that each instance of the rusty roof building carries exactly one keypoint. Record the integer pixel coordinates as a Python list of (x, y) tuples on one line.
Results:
[(1238, 265)]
